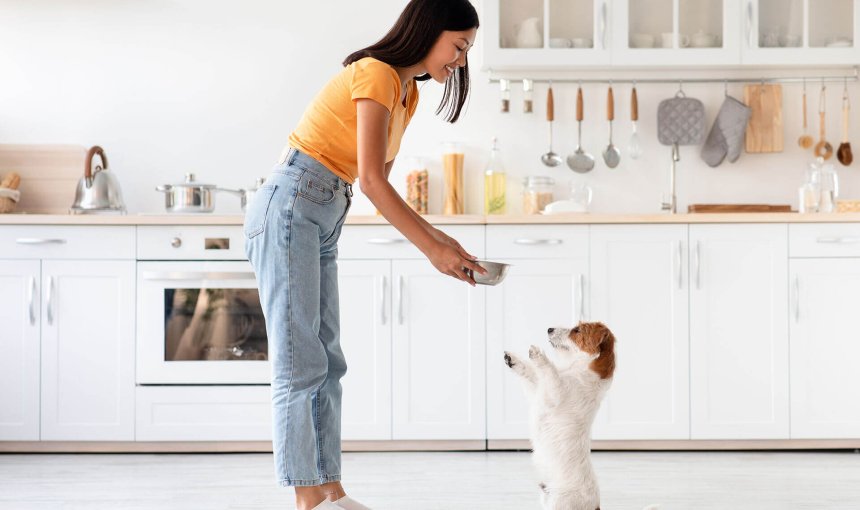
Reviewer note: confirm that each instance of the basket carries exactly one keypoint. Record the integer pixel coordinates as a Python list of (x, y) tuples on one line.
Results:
[(848, 206), (8, 200)]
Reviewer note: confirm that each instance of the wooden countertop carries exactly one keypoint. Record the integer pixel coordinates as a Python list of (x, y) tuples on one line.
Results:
[(467, 219)]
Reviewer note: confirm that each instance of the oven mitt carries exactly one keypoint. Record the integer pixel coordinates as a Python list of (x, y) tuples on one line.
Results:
[(726, 138)]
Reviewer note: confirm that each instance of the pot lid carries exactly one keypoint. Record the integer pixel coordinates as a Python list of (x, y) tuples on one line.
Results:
[(190, 182)]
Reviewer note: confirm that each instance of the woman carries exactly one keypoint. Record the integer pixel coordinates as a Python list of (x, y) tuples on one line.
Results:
[(350, 131)]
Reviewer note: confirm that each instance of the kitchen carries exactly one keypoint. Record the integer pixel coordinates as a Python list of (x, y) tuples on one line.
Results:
[(210, 89)]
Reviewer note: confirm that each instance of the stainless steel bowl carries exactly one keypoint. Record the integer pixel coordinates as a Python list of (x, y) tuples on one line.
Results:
[(496, 272)]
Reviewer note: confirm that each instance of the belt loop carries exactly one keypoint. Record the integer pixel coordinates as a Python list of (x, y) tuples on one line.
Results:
[(348, 189)]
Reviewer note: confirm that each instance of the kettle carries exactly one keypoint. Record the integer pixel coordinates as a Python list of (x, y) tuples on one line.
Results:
[(98, 191)]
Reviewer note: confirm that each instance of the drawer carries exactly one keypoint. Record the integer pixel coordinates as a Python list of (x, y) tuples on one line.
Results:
[(824, 240), (386, 242), (190, 242), (537, 241), (203, 413), (66, 242)]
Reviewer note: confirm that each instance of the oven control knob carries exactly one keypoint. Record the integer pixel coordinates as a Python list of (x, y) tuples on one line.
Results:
[(176, 242)]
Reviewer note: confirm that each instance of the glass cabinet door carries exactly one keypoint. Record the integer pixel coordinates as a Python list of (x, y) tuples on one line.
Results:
[(677, 32), (800, 32)]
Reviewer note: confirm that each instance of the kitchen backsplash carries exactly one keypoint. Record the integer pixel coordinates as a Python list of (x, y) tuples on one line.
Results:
[(212, 89)]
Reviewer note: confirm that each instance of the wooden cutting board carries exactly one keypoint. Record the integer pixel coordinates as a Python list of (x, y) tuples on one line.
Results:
[(764, 130), (49, 175), (739, 208)]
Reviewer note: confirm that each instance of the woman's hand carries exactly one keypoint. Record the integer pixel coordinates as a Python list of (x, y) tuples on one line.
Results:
[(452, 259)]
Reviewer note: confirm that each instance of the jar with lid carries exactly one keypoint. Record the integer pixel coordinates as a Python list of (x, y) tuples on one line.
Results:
[(537, 193)]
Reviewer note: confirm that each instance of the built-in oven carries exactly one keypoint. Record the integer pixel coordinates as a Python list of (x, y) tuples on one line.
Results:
[(199, 319)]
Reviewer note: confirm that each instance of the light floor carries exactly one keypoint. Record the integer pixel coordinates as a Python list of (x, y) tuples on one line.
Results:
[(431, 481)]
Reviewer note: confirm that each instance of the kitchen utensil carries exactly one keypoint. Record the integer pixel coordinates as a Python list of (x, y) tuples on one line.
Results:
[(611, 155), (680, 121), (764, 132), (496, 272), (580, 161), (843, 153), (634, 148), (726, 138), (247, 194), (97, 191), (740, 208), (191, 196), (806, 141), (550, 158), (823, 149)]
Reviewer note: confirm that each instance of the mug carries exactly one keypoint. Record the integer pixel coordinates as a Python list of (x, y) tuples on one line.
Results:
[(683, 40)]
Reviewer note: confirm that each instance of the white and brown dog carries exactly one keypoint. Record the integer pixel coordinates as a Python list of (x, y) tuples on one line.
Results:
[(565, 397)]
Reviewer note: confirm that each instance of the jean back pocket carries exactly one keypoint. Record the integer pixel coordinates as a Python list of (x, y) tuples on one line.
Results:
[(258, 209)]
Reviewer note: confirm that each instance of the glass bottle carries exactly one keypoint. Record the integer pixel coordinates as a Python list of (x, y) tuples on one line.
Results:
[(494, 182)]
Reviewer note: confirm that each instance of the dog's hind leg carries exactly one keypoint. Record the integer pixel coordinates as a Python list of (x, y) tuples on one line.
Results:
[(522, 368)]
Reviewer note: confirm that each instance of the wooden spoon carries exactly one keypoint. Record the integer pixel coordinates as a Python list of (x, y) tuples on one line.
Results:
[(823, 149), (843, 153), (805, 139)]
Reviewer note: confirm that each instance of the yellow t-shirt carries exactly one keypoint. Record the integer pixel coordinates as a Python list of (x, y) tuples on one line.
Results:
[(327, 130)]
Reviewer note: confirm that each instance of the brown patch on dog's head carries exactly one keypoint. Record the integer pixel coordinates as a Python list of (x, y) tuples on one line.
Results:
[(596, 338)]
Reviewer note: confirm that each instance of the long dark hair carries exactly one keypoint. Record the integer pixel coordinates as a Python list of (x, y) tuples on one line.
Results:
[(415, 32)]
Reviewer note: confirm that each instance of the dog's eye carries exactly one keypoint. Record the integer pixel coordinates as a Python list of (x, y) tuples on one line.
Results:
[(576, 329)]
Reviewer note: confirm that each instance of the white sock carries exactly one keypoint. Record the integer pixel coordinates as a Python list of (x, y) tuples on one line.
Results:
[(327, 505), (347, 503)]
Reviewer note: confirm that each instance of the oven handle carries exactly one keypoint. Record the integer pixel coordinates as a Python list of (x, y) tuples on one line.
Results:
[(198, 275)]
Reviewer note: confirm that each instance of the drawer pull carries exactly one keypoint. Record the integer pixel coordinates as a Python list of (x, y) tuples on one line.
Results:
[(386, 241), (39, 240), (838, 240), (194, 275), (534, 242)]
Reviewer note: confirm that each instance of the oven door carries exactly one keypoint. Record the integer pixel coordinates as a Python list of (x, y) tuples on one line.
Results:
[(200, 322)]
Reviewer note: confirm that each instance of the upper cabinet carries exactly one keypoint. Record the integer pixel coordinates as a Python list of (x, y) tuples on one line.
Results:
[(807, 32), (675, 32), (555, 34), (546, 33)]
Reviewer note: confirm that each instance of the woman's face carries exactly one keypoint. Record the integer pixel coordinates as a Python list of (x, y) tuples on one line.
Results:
[(449, 53)]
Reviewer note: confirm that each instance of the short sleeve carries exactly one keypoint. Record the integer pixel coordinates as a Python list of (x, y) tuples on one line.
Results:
[(375, 80)]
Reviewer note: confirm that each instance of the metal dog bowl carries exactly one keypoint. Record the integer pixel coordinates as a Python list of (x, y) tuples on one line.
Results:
[(496, 272)]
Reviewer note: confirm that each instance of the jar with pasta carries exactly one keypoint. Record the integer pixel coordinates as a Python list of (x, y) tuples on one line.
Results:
[(537, 193), (416, 185), (452, 167)]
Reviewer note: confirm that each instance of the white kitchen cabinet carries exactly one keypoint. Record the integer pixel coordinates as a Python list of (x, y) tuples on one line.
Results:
[(739, 332), (676, 32), (365, 337), (639, 289), (19, 342), (578, 33), (800, 32), (71, 308), (825, 347)]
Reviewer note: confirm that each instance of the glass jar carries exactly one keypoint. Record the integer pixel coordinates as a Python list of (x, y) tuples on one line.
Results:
[(416, 185), (537, 193), (452, 167)]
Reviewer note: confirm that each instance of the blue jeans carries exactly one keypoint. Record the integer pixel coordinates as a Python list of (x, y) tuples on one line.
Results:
[(291, 227)]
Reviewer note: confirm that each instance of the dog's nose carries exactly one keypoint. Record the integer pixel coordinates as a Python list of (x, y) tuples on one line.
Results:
[(550, 330)]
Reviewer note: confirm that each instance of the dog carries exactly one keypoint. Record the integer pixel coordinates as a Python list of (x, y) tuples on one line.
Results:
[(564, 398)]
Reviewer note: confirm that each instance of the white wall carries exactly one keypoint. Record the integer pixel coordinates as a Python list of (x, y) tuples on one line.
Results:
[(214, 88)]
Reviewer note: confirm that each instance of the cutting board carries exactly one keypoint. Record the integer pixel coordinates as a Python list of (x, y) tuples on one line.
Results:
[(49, 175), (740, 208), (764, 130)]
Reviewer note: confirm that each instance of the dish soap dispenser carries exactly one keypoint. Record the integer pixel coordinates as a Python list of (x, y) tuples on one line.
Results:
[(494, 182)]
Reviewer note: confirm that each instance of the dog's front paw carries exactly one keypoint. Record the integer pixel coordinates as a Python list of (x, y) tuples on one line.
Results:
[(509, 360), (534, 352)]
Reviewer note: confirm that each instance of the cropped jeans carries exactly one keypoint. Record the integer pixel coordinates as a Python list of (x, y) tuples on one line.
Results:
[(291, 230)]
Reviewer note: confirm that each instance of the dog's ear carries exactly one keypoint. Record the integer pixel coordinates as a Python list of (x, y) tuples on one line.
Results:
[(604, 364)]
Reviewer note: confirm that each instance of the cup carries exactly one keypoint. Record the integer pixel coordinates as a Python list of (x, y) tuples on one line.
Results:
[(560, 42), (582, 42), (641, 41), (667, 39)]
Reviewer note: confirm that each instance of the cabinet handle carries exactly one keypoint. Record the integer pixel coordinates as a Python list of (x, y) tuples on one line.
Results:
[(31, 298), (384, 240), (680, 257), (797, 299), (533, 242), (581, 297), (39, 240), (50, 300), (400, 300), (698, 259), (603, 25), (750, 24), (382, 313), (838, 240), (198, 275)]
